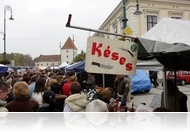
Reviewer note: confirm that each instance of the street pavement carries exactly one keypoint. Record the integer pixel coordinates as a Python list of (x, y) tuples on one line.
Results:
[(147, 98)]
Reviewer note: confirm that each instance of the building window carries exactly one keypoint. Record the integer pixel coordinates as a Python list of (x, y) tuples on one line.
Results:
[(151, 21), (41, 64), (106, 35), (67, 62), (97, 34), (58, 63), (67, 51), (115, 30), (37, 64), (47, 64), (67, 56), (185, 72), (176, 17), (103, 35), (75, 53)]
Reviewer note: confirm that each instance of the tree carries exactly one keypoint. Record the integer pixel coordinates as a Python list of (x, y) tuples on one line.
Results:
[(80, 57), (5, 62), (19, 59)]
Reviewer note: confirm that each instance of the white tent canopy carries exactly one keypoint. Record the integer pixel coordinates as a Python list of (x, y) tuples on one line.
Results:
[(170, 30)]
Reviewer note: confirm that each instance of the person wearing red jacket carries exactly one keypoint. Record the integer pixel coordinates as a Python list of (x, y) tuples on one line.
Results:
[(65, 89)]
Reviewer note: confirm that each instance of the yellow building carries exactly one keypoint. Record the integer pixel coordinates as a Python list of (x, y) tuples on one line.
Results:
[(152, 12)]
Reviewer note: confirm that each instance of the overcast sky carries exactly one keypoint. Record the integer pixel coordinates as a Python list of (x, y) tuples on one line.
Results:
[(39, 25)]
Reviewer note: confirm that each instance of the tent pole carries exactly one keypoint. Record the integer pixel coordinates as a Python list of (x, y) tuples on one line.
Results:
[(165, 89), (103, 80), (175, 90), (175, 82)]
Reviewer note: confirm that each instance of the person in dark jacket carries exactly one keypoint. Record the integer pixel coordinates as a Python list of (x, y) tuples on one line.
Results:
[(59, 99), (122, 86), (177, 101), (48, 100), (153, 75), (10, 95), (90, 82), (22, 102)]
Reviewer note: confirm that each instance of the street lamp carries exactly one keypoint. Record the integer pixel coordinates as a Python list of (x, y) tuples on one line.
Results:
[(60, 53), (11, 18), (137, 12), (124, 14), (124, 20)]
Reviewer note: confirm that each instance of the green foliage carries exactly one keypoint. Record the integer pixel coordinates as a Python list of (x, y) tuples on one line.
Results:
[(80, 57), (19, 59), (5, 62)]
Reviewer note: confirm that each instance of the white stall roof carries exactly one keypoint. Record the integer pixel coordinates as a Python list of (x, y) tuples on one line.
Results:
[(170, 31)]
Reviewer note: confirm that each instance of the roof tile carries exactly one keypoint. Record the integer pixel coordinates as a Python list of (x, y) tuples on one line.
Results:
[(69, 44), (48, 58)]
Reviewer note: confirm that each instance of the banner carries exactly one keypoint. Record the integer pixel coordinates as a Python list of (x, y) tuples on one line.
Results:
[(110, 56)]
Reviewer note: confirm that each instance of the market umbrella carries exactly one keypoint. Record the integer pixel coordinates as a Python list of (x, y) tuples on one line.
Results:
[(173, 57), (76, 67), (3, 68), (63, 65)]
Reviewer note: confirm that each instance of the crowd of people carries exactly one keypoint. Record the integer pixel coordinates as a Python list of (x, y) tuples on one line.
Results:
[(55, 91)]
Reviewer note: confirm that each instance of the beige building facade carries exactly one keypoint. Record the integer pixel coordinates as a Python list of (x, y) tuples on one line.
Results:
[(152, 12), (45, 64), (44, 61), (67, 53)]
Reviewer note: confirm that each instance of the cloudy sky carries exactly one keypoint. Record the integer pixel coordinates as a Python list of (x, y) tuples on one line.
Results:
[(39, 25)]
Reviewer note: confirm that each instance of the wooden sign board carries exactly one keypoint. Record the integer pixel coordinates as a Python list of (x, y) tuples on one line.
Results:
[(110, 56)]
